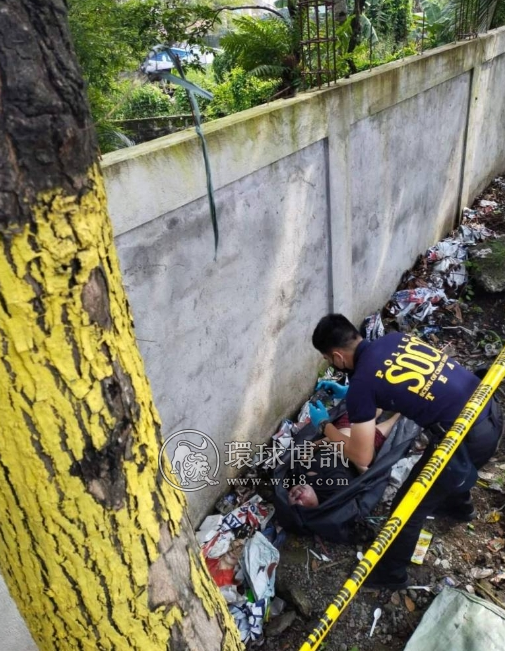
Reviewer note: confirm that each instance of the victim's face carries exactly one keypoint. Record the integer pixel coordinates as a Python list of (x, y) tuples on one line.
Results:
[(303, 496)]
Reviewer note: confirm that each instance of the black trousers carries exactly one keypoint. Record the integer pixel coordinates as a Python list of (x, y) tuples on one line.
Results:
[(481, 443)]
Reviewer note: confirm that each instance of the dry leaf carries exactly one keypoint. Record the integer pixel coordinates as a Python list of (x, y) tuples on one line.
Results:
[(314, 565), (395, 598), (411, 606)]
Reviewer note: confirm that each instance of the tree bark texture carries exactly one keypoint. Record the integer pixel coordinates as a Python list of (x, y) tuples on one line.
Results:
[(96, 550)]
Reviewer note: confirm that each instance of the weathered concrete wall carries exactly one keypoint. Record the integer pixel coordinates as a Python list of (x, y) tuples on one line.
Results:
[(226, 343), (485, 151), (405, 166), (14, 635), (323, 201)]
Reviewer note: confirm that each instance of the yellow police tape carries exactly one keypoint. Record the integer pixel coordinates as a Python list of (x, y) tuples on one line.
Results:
[(413, 497)]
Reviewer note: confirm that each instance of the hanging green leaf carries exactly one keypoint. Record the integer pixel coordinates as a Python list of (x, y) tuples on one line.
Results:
[(192, 90)]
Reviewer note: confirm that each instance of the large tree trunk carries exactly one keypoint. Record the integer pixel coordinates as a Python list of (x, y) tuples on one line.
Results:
[(97, 552)]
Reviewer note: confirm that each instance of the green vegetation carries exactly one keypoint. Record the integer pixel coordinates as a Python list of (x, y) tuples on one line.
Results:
[(146, 101), (265, 48), (260, 58), (238, 92)]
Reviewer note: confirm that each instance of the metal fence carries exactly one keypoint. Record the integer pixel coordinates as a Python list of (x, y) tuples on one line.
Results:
[(325, 55), (318, 42)]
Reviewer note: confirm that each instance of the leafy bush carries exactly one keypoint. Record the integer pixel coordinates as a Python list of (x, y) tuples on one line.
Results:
[(222, 64), (146, 101), (240, 91), (381, 55)]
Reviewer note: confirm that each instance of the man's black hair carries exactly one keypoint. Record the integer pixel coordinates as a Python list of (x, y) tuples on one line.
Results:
[(333, 331)]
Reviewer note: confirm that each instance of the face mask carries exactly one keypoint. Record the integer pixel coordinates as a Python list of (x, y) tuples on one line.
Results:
[(342, 368)]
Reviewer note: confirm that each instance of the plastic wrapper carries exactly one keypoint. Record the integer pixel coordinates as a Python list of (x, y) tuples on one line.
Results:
[(231, 594), (471, 233), (373, 326), (422, 547), (446, 582), (249, 619), (447, 249), (303, 416), (209, 528), (259, 563), (227, 566), (401, 470), (488, 204), (254, 512), (218, 545), (223, 569), (453, 271), (284, 435), (227, 503), (418, 296)]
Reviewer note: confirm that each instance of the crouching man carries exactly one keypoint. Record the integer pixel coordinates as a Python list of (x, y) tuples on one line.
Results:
[(403, 374)]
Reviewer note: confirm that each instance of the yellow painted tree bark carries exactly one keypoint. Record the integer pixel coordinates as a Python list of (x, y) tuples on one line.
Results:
[(96, 550)]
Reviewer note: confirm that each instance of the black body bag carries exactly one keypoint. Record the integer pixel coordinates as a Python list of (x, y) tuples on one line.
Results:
[(333, 519)]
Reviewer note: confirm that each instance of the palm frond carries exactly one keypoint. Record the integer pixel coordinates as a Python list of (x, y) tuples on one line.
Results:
[(267, 71), (258, 42)]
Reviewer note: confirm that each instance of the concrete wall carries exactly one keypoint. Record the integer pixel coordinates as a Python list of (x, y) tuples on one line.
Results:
[(323, 201), (14, 635)]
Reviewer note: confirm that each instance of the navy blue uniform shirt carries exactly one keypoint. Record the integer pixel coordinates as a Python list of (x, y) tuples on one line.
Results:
[(401, 373)]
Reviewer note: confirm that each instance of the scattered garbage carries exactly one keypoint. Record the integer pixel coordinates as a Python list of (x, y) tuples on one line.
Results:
[(376, 616), (493, 516), (259, 562), (399, 473), (446, 582), (373, 328), (481, 572), (491, 481), (432, 284), (249, 619), (488, 204), (496, 544), (499, 578), (422, 547)]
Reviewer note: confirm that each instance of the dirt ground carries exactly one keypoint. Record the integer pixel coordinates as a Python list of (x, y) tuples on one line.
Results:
[(459, 551)]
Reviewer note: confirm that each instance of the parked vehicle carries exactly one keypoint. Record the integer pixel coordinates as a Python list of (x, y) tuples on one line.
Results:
[(159, 61)]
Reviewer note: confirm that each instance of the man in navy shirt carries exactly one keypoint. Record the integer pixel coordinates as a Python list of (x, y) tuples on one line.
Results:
[(402, 373)]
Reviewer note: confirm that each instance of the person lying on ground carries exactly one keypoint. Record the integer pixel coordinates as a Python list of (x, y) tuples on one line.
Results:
[(403, 373), (324, 475)]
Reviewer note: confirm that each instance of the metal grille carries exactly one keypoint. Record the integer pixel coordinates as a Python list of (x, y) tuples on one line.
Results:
[(471, 18), (318, 42)]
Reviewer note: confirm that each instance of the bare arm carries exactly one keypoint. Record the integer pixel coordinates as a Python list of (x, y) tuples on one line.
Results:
[(359, 445)]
